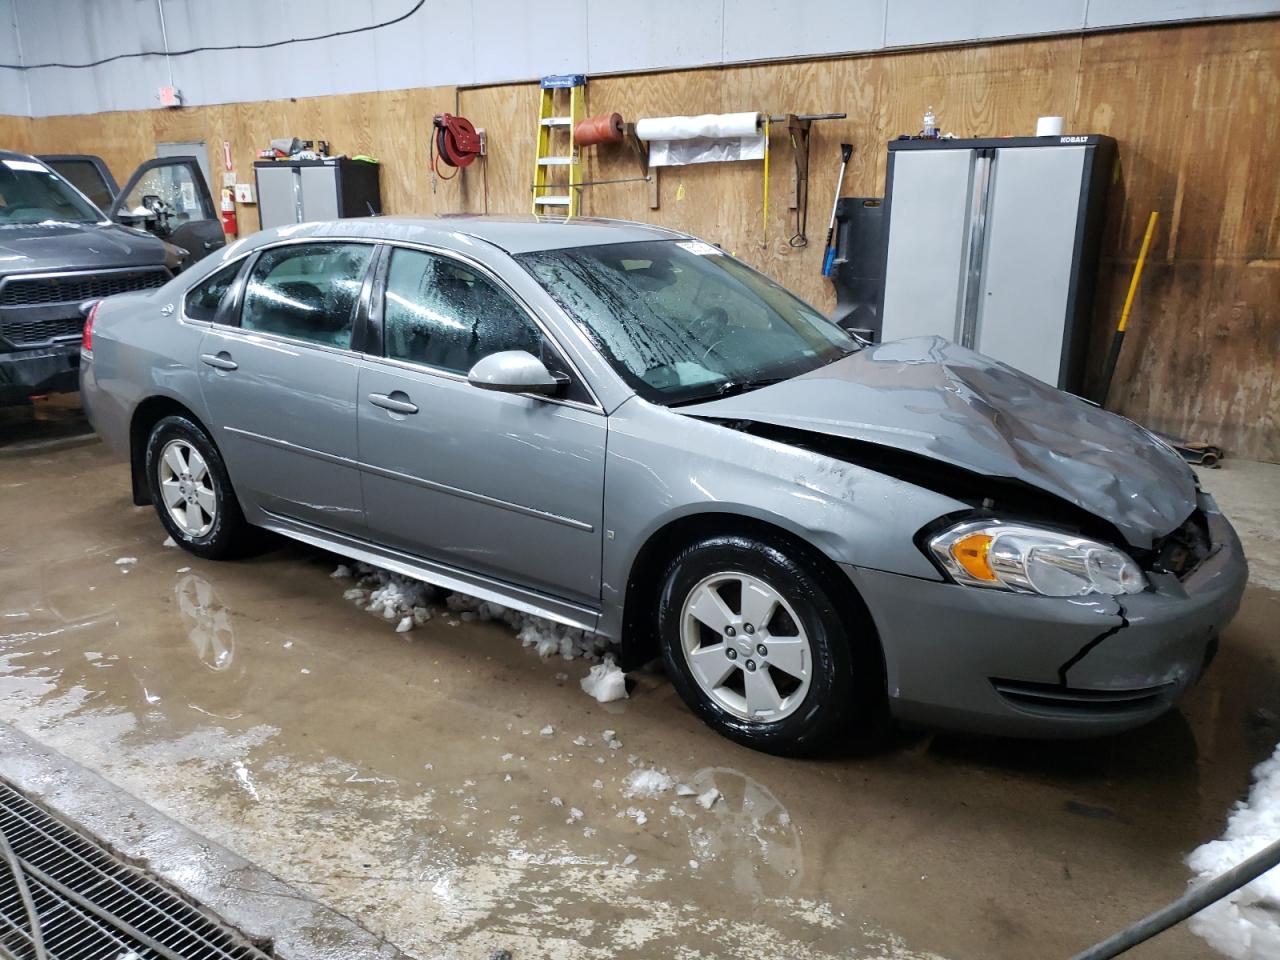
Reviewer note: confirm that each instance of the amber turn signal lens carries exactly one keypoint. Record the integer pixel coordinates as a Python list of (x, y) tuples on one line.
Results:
[(971, 553)]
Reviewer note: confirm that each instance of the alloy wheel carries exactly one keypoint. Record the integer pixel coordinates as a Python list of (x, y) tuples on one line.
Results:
[(745, 647), (186, 486)]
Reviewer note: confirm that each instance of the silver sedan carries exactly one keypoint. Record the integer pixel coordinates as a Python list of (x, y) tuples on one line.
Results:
[(625, 429)]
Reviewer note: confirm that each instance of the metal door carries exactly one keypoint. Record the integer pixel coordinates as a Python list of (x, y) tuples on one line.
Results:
[(504, 485), (279, 202), (284, 410), (191, 148), (929, 227), (1029, 258), (319, 193)]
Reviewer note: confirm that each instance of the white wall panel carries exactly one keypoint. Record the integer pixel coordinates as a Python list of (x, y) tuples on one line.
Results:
[(652, 34), (763, 29), (1115, 13), (1015, 18), (13, 83), (489, 41), (516, 38), (910, 23)]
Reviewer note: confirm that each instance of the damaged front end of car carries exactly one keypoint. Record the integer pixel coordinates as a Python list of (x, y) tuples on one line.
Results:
[(1083, 587)]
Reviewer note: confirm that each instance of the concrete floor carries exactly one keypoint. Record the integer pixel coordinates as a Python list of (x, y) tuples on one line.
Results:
[(402, 779)]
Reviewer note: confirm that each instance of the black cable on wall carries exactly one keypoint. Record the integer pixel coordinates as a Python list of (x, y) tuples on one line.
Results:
[(234, 46)]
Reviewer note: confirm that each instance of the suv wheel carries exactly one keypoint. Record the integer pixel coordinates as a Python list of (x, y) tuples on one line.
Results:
[(756, 646), (192, 492)]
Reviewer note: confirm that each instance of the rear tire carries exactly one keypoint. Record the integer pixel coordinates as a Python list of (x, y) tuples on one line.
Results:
[(192, 492), (802, 679)]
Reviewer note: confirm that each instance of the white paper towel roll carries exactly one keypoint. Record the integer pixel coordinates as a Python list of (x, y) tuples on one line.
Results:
[(718, 126), (1049, 127)]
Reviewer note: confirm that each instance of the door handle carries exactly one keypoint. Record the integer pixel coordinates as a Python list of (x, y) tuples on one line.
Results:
[(212, 244), (393, 403), (219, 361)]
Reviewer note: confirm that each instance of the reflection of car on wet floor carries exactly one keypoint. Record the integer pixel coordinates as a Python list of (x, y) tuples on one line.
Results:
[(625, 429), (65, 606)]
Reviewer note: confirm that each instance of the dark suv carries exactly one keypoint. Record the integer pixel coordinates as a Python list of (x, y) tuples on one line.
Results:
[(59, 250)]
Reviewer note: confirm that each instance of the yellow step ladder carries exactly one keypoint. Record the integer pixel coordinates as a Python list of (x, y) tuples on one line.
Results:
[(556, 148)]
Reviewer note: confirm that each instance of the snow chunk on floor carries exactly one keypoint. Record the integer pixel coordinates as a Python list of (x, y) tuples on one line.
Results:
[(341, 572), (708, 800), (548, 730), (169, 542), (647, 783), (1245, 925), (606, 681), (126, 561)]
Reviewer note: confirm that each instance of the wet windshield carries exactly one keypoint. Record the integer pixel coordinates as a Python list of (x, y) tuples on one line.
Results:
[(681, 321), (31, 193)]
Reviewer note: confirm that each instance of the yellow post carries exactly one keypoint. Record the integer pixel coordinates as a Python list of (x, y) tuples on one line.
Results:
[(1113, 355), (1137, 270), (764, 236)]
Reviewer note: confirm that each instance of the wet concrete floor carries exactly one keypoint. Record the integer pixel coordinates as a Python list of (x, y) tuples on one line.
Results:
[(404, 780)]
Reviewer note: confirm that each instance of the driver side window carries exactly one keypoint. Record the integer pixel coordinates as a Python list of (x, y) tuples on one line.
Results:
[(306, 291), (176, 187), (440, 313)]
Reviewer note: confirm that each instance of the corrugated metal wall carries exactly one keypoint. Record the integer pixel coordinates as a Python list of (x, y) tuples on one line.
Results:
[(463, 42)]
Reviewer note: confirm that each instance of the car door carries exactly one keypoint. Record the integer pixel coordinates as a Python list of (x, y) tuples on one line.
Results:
[(169, 197), (503, 485), (86, 173), (279, 376)]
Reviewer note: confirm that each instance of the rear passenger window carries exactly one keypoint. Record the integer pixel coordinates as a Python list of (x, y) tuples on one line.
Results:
[(441, 313), (306, 291), (204, 299)]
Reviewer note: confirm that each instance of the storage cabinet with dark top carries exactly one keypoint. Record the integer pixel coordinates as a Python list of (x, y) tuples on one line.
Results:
[(293, 191), (993, 243)]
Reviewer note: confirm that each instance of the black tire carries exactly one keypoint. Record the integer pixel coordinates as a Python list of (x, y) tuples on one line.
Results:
[(229, 535), (845, 704)]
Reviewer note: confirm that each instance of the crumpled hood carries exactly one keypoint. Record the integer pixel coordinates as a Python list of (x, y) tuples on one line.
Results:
[(931, 397), (57, 245)]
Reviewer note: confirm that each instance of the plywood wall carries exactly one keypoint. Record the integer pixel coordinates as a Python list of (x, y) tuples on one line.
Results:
[(1193, 109)]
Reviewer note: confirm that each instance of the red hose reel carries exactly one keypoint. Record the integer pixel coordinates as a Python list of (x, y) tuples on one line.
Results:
[(455, 141)]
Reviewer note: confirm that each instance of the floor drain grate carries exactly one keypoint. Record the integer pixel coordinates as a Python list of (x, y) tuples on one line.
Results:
[(92, 906)]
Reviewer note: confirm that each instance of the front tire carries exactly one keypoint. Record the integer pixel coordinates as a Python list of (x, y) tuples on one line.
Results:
[(192, 492), (758, 647)]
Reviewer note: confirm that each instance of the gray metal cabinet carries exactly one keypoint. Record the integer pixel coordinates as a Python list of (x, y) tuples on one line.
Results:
[(993, 244), (294, 191)]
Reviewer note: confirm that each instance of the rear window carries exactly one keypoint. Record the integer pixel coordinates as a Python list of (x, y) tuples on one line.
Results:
[(204, 299)]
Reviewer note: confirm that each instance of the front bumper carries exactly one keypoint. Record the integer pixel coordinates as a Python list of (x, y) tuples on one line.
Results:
[(1018, 665), (53, 369)]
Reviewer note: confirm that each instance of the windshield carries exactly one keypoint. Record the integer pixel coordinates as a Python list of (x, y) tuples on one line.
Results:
[(31, 193), (681, 321)]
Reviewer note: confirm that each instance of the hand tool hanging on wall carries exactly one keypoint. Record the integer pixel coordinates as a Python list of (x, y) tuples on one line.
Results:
[(455, 141), (1118, 340), (798, 129), (828, 257)]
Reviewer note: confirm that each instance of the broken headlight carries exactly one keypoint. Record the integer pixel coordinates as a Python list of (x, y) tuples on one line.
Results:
[(1026, 559)]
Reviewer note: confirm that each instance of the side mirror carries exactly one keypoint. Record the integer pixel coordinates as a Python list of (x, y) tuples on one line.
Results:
[(513, 371)]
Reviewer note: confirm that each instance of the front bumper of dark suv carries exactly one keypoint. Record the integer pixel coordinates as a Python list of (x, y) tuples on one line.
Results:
[(52, 369)]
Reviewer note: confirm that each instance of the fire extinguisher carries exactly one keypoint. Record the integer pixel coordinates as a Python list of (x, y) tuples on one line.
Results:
[(229, 225)]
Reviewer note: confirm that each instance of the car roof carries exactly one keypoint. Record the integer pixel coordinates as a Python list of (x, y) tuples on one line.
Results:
[(15, 155), (514, 234)]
